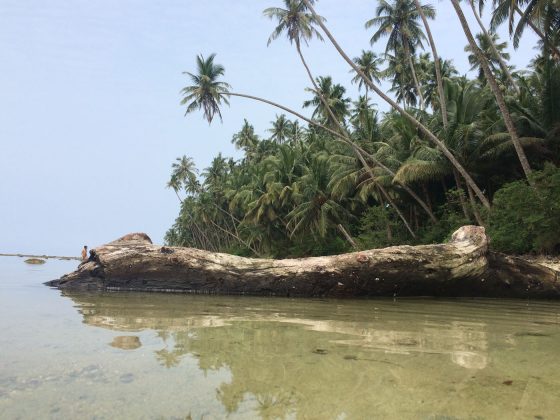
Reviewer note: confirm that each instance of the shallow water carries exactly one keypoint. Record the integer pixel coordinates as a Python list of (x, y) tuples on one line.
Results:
[(140, 355)]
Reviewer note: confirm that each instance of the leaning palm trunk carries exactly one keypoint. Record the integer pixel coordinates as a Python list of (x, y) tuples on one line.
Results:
[(495, 51), (441, 94), (234, 236), (497, 92), (461, 194), (397, 107), (555, 51), (474, 209), (340, 136), (347, 236), (360, 152), (347, 138)]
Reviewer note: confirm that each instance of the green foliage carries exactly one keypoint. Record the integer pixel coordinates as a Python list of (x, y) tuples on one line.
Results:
[(380, 228), (300, 191), (524, 219), (450, 219)]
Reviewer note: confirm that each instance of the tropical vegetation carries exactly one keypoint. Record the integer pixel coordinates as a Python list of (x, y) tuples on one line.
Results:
[(452, 150)]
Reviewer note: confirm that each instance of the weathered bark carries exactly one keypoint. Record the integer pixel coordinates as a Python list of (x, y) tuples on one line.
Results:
[(462, 267)]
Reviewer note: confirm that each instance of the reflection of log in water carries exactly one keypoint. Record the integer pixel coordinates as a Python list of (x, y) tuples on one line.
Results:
[(465, 342), (462, 267), (359, 355)]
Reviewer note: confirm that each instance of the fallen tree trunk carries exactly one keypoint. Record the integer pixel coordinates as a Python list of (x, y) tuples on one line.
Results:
[(462, 267)]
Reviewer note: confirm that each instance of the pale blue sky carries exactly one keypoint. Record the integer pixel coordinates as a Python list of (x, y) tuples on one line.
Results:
[(90, 120)]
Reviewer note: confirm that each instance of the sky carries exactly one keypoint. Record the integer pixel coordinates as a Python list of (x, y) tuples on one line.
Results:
[(90, 120)]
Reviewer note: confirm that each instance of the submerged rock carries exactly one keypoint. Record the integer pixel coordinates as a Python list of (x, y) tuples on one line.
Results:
[(126, 342), (35, 261)]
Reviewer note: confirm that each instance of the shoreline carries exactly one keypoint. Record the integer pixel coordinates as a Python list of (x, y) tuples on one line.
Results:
[(52, 257)]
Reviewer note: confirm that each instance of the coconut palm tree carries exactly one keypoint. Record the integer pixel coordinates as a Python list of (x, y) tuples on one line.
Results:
[(495, 51), (246, 139), (398, 20), (429, 134), (438, 78), (281, 128), (317, 211), (485, 45), (497, 92), (184, 176), (402, 83), (206, 92), (539, 15), (332, 96), (369, 64), (447, 71)]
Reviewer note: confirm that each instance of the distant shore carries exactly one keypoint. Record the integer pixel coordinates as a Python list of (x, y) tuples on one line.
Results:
[(55, 257)]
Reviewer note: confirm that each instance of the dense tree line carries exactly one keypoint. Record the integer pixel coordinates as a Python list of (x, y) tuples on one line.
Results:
[(451, 151)]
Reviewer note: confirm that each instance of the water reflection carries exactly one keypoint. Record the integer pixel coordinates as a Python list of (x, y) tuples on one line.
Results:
[(359, 356)]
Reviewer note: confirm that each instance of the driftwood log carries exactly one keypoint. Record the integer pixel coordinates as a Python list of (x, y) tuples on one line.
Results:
[(462, 267)]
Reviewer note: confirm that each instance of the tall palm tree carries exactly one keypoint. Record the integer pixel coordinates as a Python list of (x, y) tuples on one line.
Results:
[(299, 26), (447, 71), (340, 134), (430, 135), (485, 46), (538, 14), (497, 92), (184, 176), (398, 20), (246, 139), (439, 79), (206, 92), (369, 63), (496, 52), (403, 85), (333, 95), (318, 211), (280, 130)]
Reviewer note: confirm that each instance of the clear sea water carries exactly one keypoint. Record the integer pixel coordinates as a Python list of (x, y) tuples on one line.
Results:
[(159, 356)]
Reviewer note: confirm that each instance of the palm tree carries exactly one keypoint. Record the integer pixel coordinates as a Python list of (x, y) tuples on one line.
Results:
[(398, 20), (184, 176), (280, 130), (439, 79), (498, 55), (447, 71), (402, 83), (369, 63), (497, 92), (246, 139), (330, 96), (431, 136), (537, 14), (341, 134), (317, 211), (206, 92), (485, 46)]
